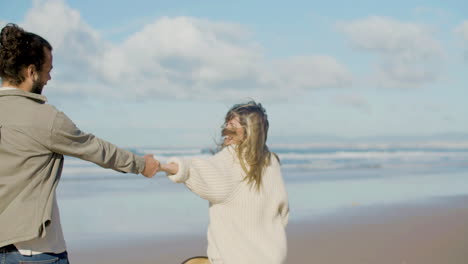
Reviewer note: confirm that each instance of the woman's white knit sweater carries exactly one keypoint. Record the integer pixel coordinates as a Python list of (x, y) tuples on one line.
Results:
[(246, 226)]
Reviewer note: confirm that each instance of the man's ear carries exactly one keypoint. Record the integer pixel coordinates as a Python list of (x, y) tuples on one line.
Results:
[(31, 71)]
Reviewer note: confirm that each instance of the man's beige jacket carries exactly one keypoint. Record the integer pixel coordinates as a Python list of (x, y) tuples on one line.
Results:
[(34, 136)]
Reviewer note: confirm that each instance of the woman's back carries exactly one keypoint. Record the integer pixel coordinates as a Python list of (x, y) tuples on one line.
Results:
[(248, 227)]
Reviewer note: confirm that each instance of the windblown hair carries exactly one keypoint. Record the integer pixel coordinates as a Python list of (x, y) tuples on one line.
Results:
[(19, 49), (252, 151)]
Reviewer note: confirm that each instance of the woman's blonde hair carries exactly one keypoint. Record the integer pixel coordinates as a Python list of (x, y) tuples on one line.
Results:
[(252, 151)]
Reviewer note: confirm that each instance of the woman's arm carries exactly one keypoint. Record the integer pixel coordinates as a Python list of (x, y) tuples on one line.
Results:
[(212, 178)]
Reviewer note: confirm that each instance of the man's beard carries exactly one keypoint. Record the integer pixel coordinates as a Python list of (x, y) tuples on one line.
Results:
[(37, 87)]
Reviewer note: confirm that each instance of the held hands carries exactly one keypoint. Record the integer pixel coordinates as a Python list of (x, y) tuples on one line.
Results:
[(153, 166)]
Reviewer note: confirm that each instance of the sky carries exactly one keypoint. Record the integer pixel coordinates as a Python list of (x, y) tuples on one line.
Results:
[(164, 73)]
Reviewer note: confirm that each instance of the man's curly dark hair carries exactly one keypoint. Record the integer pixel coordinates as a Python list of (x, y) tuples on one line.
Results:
[(19, 49)]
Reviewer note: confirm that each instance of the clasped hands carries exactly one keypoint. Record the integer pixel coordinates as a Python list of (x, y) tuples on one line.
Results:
[(153, 166)]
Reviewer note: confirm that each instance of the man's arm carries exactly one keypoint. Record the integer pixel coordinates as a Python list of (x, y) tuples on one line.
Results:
[(67, 139)]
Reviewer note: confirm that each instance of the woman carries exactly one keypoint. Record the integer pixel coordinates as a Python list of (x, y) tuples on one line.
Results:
[(243, 184)]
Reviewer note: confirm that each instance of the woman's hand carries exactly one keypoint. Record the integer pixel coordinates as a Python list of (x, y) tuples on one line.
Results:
[(171, 168)]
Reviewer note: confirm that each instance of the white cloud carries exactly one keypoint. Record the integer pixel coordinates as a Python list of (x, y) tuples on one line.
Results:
[(182, 57), (179, 57), (462, 32), (408, 53)]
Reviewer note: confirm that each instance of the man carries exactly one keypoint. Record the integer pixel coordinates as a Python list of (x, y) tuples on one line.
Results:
[(34, 136)]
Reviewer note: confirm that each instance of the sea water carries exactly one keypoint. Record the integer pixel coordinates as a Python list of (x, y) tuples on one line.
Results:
[(100, 206)]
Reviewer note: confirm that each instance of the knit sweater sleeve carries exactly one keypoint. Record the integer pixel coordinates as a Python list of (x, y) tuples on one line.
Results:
[(213, 179)]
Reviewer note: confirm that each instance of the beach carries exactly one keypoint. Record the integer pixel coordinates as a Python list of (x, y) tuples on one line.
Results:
[(430, 231), (425, 232), (348, 205)]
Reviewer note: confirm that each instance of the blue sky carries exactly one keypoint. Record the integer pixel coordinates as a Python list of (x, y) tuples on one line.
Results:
[(164, 73)]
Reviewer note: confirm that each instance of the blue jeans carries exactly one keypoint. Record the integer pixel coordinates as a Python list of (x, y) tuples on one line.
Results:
[(9, 255)]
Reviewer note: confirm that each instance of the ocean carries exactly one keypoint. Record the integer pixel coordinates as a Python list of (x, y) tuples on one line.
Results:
[(100, 207)]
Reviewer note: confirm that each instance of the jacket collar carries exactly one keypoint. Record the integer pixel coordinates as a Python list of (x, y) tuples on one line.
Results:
[(19, 92)]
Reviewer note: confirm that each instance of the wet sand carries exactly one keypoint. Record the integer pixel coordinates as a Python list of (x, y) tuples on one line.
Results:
[(433, 231)]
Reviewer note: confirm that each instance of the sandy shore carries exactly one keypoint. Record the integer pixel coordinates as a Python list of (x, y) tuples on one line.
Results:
[(427, 232)]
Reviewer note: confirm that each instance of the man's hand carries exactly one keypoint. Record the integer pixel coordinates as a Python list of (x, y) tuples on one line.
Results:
[(152, 166)]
